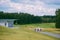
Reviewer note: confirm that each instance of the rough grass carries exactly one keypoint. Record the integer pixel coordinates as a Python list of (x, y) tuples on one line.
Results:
[(53, 30), (23, 32), (5, 30)]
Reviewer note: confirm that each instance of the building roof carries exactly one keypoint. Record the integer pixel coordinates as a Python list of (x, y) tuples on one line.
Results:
[(3, 20)]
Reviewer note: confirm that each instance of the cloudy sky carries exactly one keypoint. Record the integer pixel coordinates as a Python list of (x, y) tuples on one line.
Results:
[(35, 7)]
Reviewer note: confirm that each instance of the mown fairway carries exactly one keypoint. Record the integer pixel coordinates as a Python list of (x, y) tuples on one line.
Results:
[(24, 32)]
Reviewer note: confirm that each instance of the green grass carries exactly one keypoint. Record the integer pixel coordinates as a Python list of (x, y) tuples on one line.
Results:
[(23, 32), (41, 25)]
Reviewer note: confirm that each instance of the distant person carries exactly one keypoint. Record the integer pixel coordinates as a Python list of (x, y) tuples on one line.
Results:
[(5, 24), (38, 29)]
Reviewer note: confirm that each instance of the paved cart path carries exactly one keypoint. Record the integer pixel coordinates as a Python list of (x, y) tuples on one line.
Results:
[(51, 34)]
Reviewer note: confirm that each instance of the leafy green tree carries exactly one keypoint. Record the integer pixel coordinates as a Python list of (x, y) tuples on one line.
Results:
[(58, 18)]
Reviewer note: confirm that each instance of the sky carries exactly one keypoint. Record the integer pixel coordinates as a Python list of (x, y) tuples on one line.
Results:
[(34, 7)]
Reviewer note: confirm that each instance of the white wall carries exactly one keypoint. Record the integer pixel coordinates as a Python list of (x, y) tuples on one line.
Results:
[(2, 23), (6, 22)]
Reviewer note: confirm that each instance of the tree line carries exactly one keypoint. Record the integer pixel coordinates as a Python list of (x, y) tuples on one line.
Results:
[(25, 18)]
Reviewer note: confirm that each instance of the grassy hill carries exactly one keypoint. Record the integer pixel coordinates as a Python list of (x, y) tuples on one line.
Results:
[(23, 32), (5, 30)]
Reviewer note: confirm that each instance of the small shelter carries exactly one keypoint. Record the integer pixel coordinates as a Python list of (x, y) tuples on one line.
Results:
[(7, 22)]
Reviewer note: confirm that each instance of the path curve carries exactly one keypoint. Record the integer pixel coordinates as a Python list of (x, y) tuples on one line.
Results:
[(51, 34)]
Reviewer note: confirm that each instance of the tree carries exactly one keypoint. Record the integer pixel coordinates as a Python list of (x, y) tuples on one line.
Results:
[(58, 18), (48, 19)]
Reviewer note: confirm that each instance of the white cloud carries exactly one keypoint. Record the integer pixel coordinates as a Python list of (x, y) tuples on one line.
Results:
[(36, 8)]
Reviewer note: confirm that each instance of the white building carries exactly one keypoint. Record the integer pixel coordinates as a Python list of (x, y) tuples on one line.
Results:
[(7, 22)]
